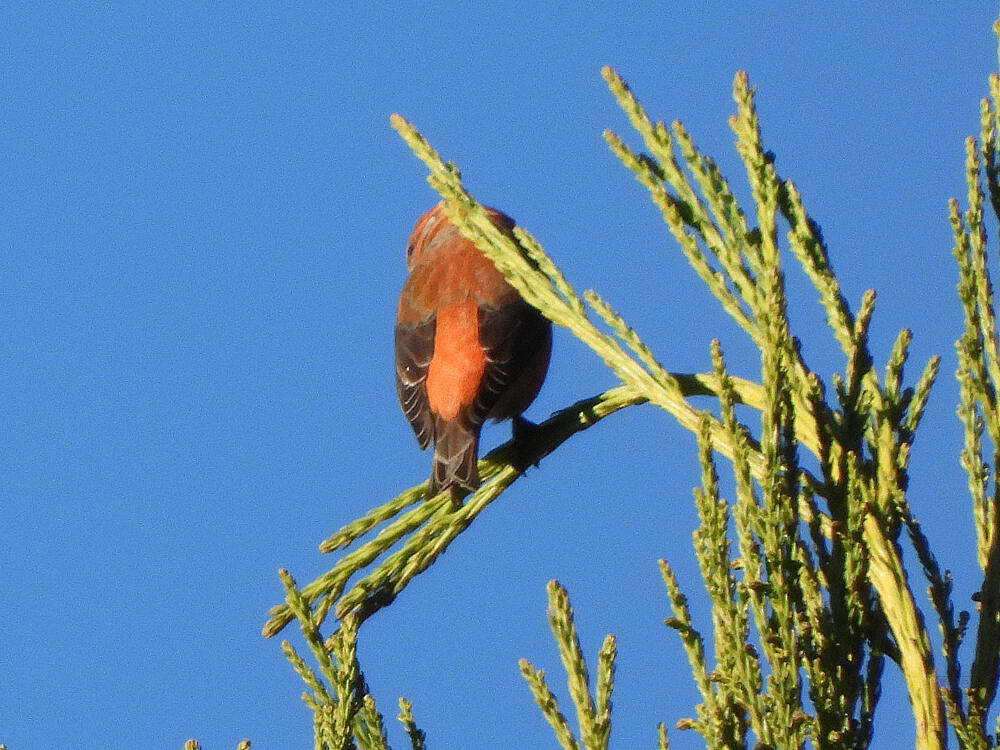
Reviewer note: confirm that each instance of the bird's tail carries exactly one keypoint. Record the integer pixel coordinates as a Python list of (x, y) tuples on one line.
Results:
[(456, 453)]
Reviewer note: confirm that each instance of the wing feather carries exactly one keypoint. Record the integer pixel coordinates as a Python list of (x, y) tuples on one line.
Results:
[(414, 351), (512, 335)]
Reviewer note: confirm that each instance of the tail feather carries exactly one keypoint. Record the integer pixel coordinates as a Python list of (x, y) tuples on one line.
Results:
[(456, 455)]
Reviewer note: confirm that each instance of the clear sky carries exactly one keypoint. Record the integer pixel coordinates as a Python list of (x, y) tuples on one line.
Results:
[(204, 213)]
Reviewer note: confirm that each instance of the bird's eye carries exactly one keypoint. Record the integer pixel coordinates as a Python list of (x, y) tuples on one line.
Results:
[(409, 251)]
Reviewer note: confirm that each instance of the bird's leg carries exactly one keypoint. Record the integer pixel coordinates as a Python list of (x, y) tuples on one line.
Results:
[(457, 494), (524, 434)]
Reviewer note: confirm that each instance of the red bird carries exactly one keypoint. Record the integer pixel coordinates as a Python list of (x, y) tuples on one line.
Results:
[(468, 347)]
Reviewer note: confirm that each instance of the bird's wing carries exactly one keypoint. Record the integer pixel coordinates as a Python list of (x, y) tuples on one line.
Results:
[(512, 336), (414, 350)]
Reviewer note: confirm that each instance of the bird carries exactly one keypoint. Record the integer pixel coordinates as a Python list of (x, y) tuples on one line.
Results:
[(468, 348)]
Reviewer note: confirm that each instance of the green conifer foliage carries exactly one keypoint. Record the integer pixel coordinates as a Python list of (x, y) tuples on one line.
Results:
[(810, 600)]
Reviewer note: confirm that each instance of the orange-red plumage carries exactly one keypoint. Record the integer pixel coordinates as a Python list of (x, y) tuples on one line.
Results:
[(459, 361), (468, 348)]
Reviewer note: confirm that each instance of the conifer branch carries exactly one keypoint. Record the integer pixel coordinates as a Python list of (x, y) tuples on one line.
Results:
[(547, 702), (593, 712), (436, 521), (979, 375), (663, 741), (344, 713), (873, 419), (417, 738)]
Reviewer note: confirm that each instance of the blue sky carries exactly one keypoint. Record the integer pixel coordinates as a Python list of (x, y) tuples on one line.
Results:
[(204, 213)]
